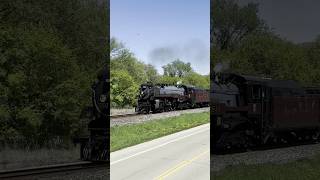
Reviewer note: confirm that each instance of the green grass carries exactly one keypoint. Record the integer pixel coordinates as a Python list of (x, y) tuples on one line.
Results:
[(307, 169), (128, 135)]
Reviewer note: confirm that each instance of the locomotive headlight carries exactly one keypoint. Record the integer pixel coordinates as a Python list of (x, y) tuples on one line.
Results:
[(213, 108), (219, 121), (226, 126), (103, 98)]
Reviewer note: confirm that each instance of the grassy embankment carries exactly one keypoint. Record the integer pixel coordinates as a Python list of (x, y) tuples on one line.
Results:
[(306, 169), (128, 135), (19, 158)]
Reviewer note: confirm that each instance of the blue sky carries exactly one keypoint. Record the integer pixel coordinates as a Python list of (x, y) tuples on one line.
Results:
[(294, 20), (159, 31)]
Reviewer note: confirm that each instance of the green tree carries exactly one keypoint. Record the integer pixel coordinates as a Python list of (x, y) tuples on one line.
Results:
[(123, 89), (177, 68), (127, 70), (197, 80), (152, 73), (230, 23), (35, 65), (169, 80), (50, 51), (123, 59)]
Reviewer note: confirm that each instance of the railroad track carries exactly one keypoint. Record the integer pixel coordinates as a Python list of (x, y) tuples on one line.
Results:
[(52, 169), (137, 114), (124, 115)]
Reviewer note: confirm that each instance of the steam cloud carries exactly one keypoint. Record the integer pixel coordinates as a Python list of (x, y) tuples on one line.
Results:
[(221, 67), (194, 51)]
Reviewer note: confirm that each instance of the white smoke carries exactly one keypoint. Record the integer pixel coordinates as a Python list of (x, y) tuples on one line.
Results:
[(221, 67)]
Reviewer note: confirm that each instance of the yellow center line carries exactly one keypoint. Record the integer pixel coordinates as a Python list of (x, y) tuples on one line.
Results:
[(179, 166)]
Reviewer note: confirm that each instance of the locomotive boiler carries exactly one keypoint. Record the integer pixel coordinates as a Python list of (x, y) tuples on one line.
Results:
[(249, 112)]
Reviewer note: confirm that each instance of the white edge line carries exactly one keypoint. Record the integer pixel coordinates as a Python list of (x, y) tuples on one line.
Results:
[(150, 149)]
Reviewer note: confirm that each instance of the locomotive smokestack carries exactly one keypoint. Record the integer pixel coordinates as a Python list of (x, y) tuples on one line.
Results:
[(219, 68)]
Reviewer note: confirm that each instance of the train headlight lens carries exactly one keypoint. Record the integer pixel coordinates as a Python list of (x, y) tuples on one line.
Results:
[(103, 98), (214, 109), (219, 121), (226, 126)]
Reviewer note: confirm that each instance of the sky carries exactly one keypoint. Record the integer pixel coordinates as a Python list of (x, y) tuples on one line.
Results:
[(160, 31), (294, 20)]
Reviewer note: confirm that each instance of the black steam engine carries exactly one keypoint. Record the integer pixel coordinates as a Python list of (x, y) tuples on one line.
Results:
[(249, 112), (161, 97), (95, 147)]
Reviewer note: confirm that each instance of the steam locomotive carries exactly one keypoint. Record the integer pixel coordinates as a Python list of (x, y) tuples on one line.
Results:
[(162, 97), (249, 112), (96, 146)]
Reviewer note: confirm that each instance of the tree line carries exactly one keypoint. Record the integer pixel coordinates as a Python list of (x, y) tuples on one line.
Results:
[(128, 73), (50, 52), (245, 43)]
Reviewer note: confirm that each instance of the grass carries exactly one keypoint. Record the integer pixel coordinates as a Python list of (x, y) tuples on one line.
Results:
[(306, 169), (128, 135), (19, 158)]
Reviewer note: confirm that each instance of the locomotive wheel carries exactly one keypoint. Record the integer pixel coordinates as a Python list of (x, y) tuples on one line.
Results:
[(85, 152), (316, 137), (104, 154), (222, 144), (231, 142), (174, 105), (147, 110)]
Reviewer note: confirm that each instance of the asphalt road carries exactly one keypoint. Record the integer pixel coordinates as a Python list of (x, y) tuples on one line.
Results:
[(184, 155)]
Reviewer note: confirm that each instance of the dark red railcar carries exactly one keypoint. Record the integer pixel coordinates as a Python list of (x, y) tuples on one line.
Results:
[(198, 97), (250, 111), (301, 112)]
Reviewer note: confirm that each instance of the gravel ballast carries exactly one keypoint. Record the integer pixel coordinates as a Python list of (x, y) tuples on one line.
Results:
[(121, 111), (148, 117), (276, 156)]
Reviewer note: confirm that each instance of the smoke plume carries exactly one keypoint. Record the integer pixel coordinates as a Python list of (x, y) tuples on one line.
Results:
[(194, 51)]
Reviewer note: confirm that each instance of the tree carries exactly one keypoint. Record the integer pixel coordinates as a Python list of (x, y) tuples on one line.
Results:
[(127, 74), (152, 73), (36, 67), (117, 48), (177, 68), (50, 51), (197, 80), (123, 89), (169, 80), (230, 23), (123, 59)]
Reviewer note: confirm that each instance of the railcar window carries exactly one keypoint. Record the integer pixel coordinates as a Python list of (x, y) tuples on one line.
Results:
[(256, 91)]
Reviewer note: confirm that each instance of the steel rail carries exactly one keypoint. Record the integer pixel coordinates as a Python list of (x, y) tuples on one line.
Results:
[(124, 115), (51, 169)]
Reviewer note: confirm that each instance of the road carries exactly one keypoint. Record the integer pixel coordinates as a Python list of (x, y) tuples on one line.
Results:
[(183, 155)]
